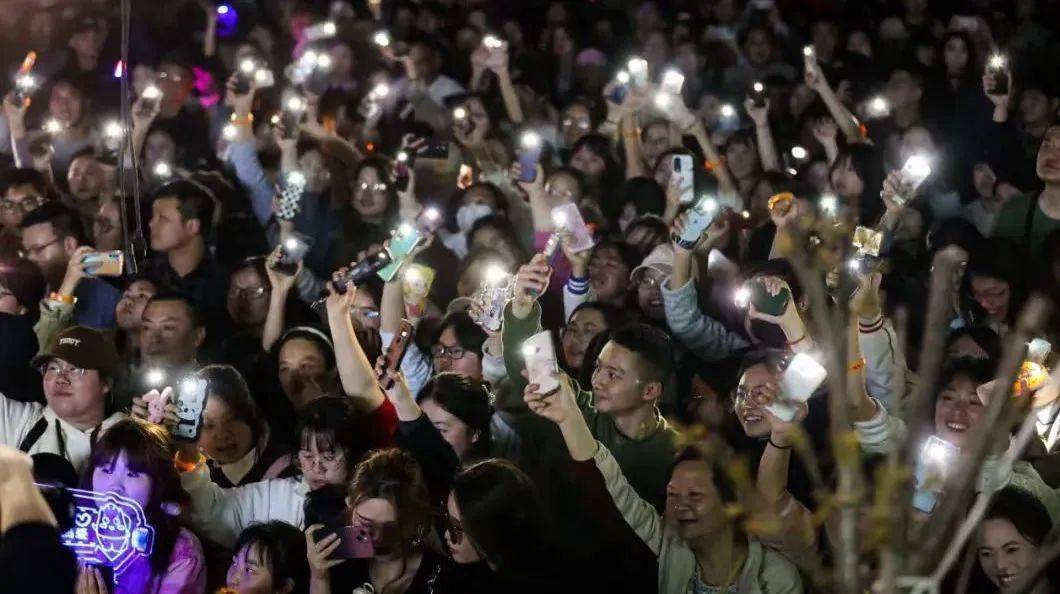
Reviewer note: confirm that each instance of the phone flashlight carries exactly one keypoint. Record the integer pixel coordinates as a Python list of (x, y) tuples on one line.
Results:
[(381, 38), (662, 100), (829, 204), (248, 66), (530, 140), (673, 80), (163, 170), (799, 152), (432, 214), (495, 274), (1038, 349), (413, 275), (151, 93), (622, 77), (155, 377), (997, 62), (559, 219), (459, 113), (492, 42), (296, 178), (323, 61), (329, 28), (742, 297), (53, 126), (112, 129), (758, 87), (854, 265), (728, 111), (638, 70), (295, 104), (26, 82), (229, 132), (808, 51), (380, 91)]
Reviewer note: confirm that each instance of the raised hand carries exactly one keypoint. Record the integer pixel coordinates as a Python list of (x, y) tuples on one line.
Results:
[(531, 281), (558, 406)]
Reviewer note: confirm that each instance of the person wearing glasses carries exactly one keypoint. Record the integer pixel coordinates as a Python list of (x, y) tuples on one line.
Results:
[(78, 370), (21, 190), (53, 239), (621, 406)]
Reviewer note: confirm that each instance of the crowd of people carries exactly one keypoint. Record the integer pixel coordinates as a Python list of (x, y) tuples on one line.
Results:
[(727, 296)]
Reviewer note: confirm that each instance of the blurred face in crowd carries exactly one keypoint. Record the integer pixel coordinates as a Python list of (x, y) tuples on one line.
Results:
[(608, 274), (958, 410), (825, 38), (580, 330), (1004, 553), (902, 89), (225, 436), (649, 293), (303, 370), (370, 196), (365, 311), (106, 226), (74, 393), (120, 477), (322, 466), (454, 431), (17, 201), (619, 384), (563, 187), (1037, 108), (248, 297), (169, 230), (846, 181), (654, 141), (461, 549), (9, 303), (315, 169), (66, 104), (742, 159), (421, 63), (478, 117), (577, 122), (168, 336), (1049, 157), (693, 504), (993, 295), (589, 163), (159, 147), (449, 355), (176, 83), (758, 47), (85, 178), (755, 380), (130, 309), (656, 48), (859, 43), (87, 45), (955, 54), (42, 245), (250, 573)]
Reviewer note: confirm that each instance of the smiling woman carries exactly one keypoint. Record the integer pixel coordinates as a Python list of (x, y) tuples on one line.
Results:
[(1009, 539)]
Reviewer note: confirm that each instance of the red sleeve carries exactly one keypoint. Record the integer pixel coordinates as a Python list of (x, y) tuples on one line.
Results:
[(380, 425)]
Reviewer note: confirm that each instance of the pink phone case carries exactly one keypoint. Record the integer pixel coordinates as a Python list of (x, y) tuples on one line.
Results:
[(356, 543), (541, 365), (581, 238)]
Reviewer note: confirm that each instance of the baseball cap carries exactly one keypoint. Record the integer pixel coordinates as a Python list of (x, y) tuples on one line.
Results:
[(82, 347), (661, 259)]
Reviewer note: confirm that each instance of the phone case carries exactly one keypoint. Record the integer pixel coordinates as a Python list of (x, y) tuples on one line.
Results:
[(913, 173), (682, 166), (541, 366), (672, 81), (492, 298), (580, 236), (191, 401), (321, 30), (618, 93), (773, 305), (758, 98), (931, 472), (528, 159), (290, 202), (400, 246), (400, 343), (638, 71), (699, 218), (292, 250), (364, 269), (867, 241), (105, 263), (415, 285), (356, 543)]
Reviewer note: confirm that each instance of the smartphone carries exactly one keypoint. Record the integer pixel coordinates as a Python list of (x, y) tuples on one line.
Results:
[(435, 149), (529, 157), (998, 68), (405, 239), (244, 75), (567, 216), (638, 71), (700, 218), (773, 305), (867, 241), (935, 458), (321, 30), (800, 379), (289, 203), (682, 167), (672, 82), (402, 162), (25, 82), (915, 170), (364, 269), (264, 78), (465, 177), (621, 87), (291, 117), (190, 401), (541, 365), (396, 351), (356, 543), (415, 286), (493, 296), (758, 94), (292, 250), (105, 263)]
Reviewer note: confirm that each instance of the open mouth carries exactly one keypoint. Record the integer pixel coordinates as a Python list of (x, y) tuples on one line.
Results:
[(956, 427), (1006, 579)]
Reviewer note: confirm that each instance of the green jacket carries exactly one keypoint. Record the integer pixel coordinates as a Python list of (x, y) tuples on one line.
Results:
[(645, 462)]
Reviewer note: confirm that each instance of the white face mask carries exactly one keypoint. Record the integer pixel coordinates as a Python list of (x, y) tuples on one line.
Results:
[(467, 214)]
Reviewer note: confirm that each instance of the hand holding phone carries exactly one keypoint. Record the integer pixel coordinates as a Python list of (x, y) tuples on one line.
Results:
[(682, 167), (292, 250), (800, 379), (567, 218), (110, 263), (542, 367), (396, 351), (936, 457), (530, 156), (700, 217), (191, 402)]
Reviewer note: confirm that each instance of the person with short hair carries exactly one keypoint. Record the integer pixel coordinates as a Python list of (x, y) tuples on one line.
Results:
[(270, 558), (78, 370)]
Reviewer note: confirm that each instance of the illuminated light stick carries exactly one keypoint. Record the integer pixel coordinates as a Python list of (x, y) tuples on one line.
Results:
[(108, 530)]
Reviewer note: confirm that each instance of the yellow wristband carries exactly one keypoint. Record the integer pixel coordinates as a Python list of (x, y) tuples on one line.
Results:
[(69, 299)]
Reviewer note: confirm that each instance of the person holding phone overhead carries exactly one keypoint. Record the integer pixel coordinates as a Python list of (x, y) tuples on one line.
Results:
[(631, 375)]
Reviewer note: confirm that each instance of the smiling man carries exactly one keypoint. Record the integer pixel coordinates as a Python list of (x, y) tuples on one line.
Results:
[(78, 372)]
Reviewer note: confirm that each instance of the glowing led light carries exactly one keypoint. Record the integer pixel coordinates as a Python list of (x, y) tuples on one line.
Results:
[(53, 126), (728, 111), (380, 90), (673, 79), (26, 81), (432, 213), (492, 42), (112, 129), (404, 229), (637, 65), (403, 157), (262, 75), (223, 9), (799, 152), (663, 100), (108, 530), (808, 51), (879, 107), (154, 377), (296, 178), (229, 132), (495, 274), (622, 77), (381, 38), (152, 92), (295, 103), (997, 61), (459, 113), (247, 66), (559, 219), (829, 204), (758, 87), (163, 170), (119, 69), (290, 244), (323, 61), (330, 28), (530, 140)]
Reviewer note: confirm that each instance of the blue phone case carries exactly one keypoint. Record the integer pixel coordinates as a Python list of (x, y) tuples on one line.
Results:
[(399, 249), (528, 164)]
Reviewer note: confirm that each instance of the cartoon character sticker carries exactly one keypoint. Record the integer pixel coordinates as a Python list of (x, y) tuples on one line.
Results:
[(108, 530)]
